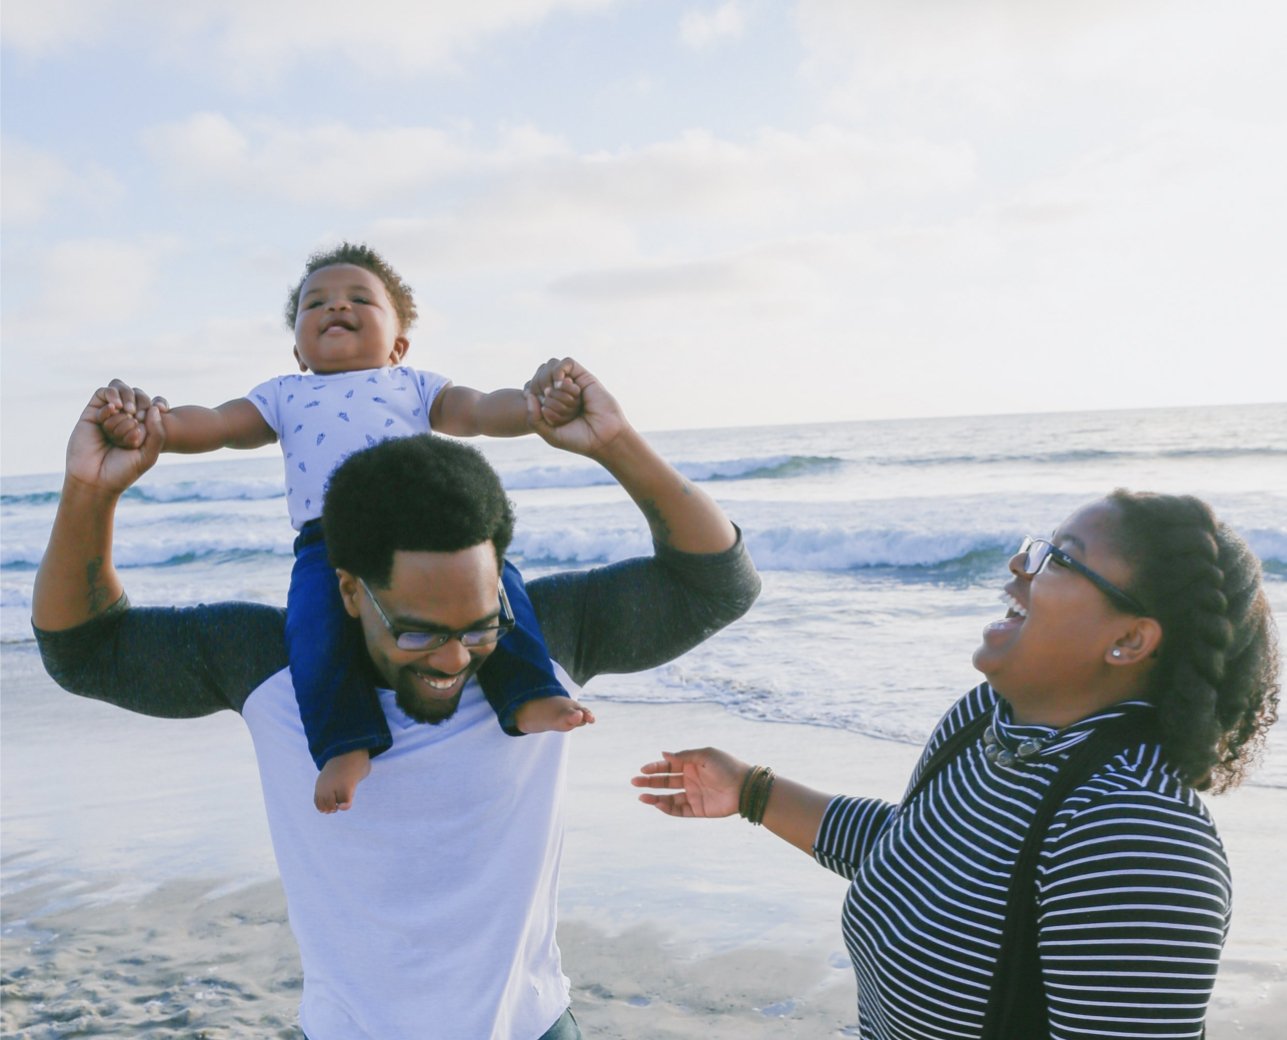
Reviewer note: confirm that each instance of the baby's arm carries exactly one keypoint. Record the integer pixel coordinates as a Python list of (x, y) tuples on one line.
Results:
[(464, 412), (234, 424), (190, 429)]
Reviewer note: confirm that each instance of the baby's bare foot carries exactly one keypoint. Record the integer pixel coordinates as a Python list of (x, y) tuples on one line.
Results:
[(552, 714), (338, 780)]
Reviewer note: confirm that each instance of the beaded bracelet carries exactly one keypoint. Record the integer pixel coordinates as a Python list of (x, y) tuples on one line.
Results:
[(753, 798)]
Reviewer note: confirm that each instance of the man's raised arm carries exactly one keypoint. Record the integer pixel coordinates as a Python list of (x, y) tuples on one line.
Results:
[(165, 661), (638, 613), (681, 515), (76, 580)]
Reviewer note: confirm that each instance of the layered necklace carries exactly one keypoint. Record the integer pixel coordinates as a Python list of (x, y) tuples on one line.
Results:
[(997, 752), (1001, 749)]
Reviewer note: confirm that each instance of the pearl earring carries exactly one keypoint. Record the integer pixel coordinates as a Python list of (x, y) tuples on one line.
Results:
[(1117, 653)]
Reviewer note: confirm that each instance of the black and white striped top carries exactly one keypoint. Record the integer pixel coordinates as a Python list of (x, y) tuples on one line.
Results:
[(1133, 890)]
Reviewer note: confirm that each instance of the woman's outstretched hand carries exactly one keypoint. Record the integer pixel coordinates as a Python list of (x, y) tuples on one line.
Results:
[(704, 783)]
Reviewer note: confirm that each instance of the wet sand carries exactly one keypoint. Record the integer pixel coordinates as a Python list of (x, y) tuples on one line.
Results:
[(670, 928), (185, 965)]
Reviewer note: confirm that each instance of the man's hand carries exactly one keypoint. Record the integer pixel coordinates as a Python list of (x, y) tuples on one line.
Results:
[(554, 392), (113, 459)]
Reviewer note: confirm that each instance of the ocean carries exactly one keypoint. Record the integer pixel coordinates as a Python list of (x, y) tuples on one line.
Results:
[(882, 544)]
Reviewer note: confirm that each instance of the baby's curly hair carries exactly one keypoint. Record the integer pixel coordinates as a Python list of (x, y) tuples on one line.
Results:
[(1216, 680), (363, 256), (415, 494)]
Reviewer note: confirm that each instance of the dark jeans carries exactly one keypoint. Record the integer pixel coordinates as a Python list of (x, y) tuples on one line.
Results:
[(332, 676), (564, 1029)]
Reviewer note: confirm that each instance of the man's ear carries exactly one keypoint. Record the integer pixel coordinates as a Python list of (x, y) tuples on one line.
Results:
[(348, 591), (1138, 643)]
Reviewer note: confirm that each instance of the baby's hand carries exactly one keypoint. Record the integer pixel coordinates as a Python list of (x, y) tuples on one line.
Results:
[(122, 423), (121, 429), (561, 402)]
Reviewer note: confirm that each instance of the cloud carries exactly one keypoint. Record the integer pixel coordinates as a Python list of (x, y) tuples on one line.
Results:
[(1171, 244), (683, 200), (526, 201), (74, 318), (32, 179), (701, 29), (1196, 181), (36, 180), (38, 27), (703, 279), (508, 231), (221, 357), (773, 174), (251, 41), (533, 179), (83, 284), (100, 280), (999, 57), (781, 270), (1147, 272), (331, 164)]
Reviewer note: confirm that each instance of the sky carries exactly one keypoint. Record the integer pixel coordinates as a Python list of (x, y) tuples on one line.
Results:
[(735, 212)]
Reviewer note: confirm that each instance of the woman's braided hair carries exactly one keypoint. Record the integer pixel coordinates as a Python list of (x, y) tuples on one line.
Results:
[(1216, 680)]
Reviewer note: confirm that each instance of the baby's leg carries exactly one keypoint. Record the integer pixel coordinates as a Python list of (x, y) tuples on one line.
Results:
[(338, 780), (518, 678), (341, 714), (545, 714)]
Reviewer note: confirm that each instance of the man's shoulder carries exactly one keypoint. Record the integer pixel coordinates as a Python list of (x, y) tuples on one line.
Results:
[(240, 644), (169, 661), (639, 613)]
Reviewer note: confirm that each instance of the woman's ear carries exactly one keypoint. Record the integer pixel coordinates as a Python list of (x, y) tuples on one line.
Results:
[(1139, 642)]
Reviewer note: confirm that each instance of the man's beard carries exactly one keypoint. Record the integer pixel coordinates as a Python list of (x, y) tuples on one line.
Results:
[(411, 707), (427, 709)]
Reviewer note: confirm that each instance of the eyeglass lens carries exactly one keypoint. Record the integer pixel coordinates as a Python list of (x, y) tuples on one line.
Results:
[(1035, 553), (433, 640)]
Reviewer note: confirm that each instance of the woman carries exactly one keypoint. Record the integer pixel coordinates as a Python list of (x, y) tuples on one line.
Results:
[(1137, 660)]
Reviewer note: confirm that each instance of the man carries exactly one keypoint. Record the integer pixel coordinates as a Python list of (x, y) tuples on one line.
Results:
[(429, 909)]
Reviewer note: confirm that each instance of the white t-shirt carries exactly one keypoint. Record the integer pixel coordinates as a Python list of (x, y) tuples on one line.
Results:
[(320, 420), (402, 906)]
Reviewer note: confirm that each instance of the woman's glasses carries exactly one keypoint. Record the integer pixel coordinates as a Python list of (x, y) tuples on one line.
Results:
[(1037, 551)]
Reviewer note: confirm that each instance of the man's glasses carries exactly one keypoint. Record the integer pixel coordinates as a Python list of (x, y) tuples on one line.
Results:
[(423, 642), (1037, 551)]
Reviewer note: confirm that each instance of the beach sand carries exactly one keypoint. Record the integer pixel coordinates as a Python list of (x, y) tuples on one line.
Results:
[(670, 928)]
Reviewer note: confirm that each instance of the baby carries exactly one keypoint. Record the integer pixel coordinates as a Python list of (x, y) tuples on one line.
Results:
[(350, 313)]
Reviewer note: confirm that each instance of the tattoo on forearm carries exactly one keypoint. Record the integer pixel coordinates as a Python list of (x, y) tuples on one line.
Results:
[(95, 593), (656, 521)]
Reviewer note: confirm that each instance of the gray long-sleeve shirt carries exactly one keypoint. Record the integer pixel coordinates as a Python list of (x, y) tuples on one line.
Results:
[(187, 662)]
